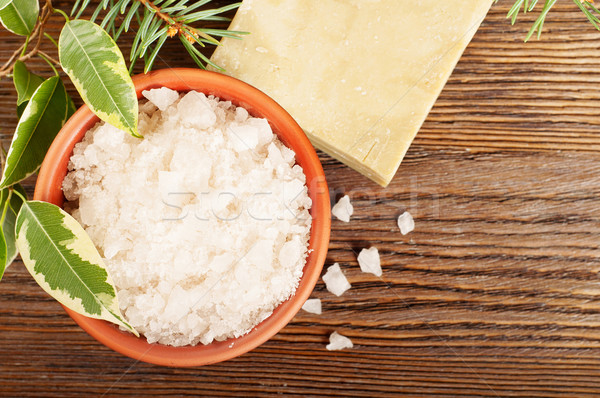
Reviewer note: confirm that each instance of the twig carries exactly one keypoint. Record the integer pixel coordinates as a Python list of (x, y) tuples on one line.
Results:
[(175, 27), (49, 58), (38, 33)]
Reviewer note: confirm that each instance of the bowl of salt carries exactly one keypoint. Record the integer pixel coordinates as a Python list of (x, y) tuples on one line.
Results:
[(214, 226)]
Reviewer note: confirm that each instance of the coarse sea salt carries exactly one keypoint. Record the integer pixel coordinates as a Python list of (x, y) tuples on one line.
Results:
[(338, 342), (335, 280), (203, 224), (313, 306), (343, 209), (369, 261), (406, 223)]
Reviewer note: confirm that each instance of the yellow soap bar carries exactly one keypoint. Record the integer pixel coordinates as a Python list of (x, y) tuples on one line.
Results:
[(359, 76)]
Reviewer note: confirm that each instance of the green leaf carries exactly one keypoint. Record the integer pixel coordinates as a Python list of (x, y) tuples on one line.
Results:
[(3, 254), (96, 66), (25, 82), (20, 16), (10, 204), (43, 117), (62, 259), (21, 109)]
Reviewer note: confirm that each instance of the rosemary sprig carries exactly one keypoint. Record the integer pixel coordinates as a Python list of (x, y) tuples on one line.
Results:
[(159, 20), (586, 6)]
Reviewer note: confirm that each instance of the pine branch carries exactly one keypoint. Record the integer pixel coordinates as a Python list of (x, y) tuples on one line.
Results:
[(586, 6), (158, 21)]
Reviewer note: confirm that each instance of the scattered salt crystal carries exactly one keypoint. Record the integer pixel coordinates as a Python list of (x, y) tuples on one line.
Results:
[(161, 97), (406, 223), (343, 209), (335, 281), (338, 342), (171, 216), (369, 261), (313, 306)]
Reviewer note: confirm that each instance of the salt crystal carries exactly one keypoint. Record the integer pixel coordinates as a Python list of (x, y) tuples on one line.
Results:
[(261, 254), (338, 342), (243, 138), (289, 253), (369, 261), (241, 114), (171, 189), (406, 223), (196, 111), (161, 97), (313, 306), (335, 281), (343, 209), (222, 263)]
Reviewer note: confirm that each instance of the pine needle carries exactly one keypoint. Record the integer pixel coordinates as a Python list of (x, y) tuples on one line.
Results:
[(586, 6)]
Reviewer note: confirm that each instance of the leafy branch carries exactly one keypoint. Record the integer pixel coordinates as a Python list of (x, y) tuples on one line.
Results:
[(54, 248), (587, 7), (21, 54)]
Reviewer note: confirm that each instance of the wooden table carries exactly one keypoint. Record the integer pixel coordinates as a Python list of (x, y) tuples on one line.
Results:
[(496, 292)]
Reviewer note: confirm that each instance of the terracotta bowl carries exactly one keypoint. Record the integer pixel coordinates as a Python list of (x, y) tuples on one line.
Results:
[(54, 169)]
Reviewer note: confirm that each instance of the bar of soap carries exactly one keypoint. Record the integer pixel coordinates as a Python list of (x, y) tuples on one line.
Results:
[(359, 76)]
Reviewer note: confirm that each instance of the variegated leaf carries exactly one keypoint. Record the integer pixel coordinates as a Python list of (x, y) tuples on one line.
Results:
[(96, 66), (20, 16), (63, 260), (45, 114), (3, 254), (25, 82), (10, 204)]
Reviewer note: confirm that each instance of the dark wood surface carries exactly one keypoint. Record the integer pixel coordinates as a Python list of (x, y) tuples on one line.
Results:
[(496, 292)]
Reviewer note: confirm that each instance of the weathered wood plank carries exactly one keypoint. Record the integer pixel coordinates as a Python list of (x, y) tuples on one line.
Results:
[(495, 293)]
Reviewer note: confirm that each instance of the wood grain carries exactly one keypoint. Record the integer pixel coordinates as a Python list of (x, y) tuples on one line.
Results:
[(496, 292)]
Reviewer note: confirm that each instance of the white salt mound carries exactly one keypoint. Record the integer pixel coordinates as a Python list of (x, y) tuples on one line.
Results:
[(313, 306), (369, 261), (406, 223), (197, 251), (338, 342), (343, 209), (335, 281)]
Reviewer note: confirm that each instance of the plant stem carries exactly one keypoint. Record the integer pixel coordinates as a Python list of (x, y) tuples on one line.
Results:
[(61, 12), (51, 39), (25, 46), (19, 195), (6, 204), (48, 60)]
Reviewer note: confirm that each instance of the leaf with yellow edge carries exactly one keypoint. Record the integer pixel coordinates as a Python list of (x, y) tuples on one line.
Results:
[(96, 66), (19, 16), (10, 204), (25, 82), (62, 259), (46, 112)]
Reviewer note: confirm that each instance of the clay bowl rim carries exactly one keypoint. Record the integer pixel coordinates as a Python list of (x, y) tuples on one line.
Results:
[(54, 169)]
